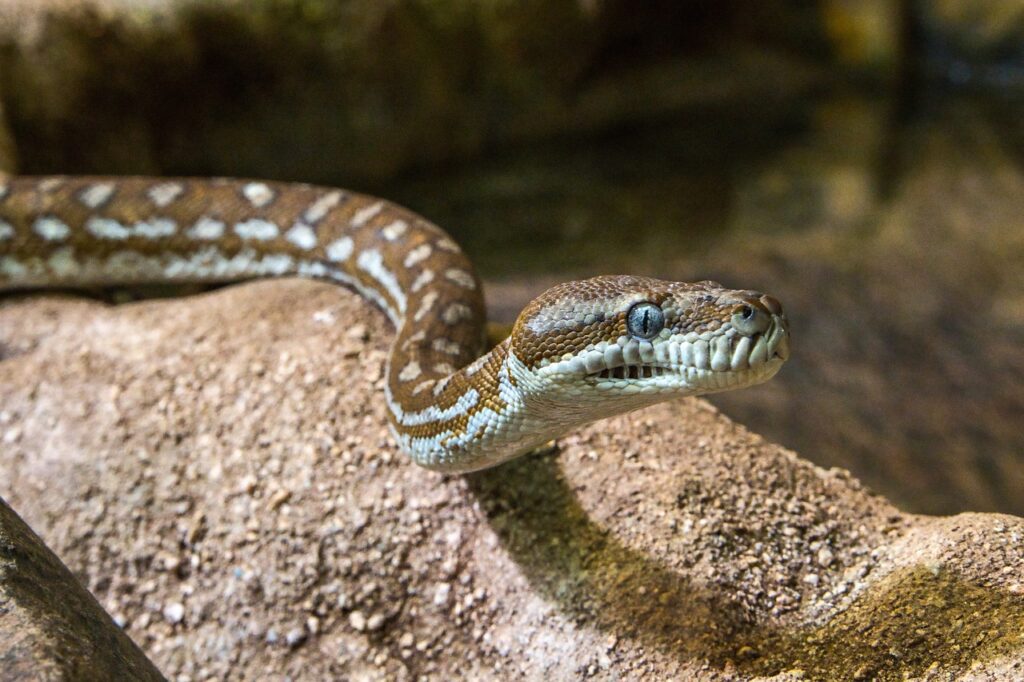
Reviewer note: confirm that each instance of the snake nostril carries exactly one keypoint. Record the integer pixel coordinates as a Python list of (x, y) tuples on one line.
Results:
[(772, 304)]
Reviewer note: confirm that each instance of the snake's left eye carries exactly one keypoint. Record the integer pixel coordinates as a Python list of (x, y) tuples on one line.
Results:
[(645, 320)]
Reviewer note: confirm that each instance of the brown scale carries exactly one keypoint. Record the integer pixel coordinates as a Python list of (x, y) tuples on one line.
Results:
[(28, 199), (485, 380)]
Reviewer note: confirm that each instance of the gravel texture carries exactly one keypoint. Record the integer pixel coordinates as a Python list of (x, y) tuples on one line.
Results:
[(216, 469)]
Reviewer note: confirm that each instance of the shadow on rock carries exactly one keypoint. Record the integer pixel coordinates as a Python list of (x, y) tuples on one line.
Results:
[(915, 621)]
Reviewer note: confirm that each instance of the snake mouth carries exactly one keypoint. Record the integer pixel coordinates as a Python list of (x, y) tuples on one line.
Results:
[(705, 361)]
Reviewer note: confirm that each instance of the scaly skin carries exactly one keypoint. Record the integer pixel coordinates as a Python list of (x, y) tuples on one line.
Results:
[(573, 356)]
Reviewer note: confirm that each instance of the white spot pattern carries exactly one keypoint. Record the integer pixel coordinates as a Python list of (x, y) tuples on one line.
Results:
[(96, 195), (209, 262), (258, 194), (365, 215), (154, 229), (164, 193), (302, 235), (105, 228), (207, 228), (6, 231), (442, 345), (420, 253), (410, 371), (9, 267), (460, 277), (51, 229), (62, 263), (422, 280), (447, 244), (339, 249), (322, 206), (456, 312), (394, 230), (372, 262), (260, 230), (428, 301)]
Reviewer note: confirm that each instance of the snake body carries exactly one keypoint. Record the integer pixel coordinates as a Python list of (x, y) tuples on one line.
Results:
[(581, 351)]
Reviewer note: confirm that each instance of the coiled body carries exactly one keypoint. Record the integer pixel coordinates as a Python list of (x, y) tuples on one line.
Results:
[(572, 358)]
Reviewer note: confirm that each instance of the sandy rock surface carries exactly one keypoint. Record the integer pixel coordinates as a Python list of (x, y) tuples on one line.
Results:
[(216, 469)]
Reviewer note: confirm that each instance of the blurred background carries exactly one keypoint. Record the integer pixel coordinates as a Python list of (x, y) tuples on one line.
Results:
[(862, 160)]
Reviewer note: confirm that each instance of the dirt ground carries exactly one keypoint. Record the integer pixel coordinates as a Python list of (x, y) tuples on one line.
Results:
[(216, 469)]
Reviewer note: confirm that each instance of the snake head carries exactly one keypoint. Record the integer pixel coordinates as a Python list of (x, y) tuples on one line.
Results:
[(646, 340)]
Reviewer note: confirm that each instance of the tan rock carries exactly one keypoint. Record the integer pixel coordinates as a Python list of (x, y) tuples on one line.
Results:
[(666, 544)]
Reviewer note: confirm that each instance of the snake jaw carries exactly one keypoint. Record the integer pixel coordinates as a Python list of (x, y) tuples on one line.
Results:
[(686, 364)]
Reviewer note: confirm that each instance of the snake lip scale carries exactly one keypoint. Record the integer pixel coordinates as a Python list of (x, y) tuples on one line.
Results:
[(581, 351)]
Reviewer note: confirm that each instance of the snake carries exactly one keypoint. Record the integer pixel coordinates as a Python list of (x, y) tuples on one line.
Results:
[(581, 351)]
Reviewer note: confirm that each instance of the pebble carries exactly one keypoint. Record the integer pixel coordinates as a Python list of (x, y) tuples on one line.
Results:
[(357, 620), (174, 612), (295, 637), (441, 593)]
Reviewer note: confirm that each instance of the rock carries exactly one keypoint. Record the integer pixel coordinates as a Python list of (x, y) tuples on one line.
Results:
[(174, 612), (50, 626), (690, 560)]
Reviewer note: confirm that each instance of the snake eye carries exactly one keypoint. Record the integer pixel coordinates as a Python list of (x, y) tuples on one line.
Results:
[(645, 320)]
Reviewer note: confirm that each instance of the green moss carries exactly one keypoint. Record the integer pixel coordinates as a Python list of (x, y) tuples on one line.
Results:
[(912, 622)]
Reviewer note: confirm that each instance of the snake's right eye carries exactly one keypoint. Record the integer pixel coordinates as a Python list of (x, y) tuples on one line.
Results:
[(645, 320)]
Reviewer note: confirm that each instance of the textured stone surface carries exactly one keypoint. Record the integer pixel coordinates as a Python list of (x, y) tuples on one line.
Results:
[(51, 628), (217, 470)]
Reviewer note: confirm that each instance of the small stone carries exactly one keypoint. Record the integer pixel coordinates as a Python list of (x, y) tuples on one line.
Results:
[(278, 498), (295, 637), (174, 613), (812, 579), (825, 557), (357, 620), (441, 593), (375, 622), (406, 640)]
